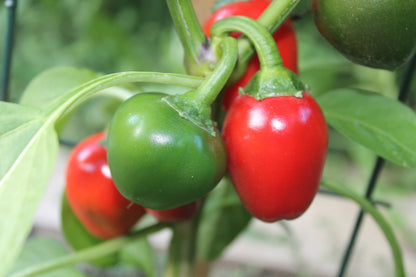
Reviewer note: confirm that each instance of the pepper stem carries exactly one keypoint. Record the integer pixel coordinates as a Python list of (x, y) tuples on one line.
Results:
[(273, 79), (206, 93), (195, 105), (191, 35), (181, 251), (90, 254), (274, 16), (276, 13), (260, 37)]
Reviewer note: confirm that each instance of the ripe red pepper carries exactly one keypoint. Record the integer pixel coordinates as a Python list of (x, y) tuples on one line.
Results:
[(276, 152), (92, 194), (179, 214), (284, 37)]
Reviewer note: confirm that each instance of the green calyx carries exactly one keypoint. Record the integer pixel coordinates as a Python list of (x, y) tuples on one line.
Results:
[(276, 81), (187, 107), (273, 79)]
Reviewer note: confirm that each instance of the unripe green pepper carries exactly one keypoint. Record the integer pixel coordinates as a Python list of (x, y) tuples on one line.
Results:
[(160, 159), (379, 34)]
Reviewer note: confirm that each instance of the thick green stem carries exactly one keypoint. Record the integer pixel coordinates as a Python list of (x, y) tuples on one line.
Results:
[(259, 36), (367, 206), (89, 88), (190, 33), (90, 254), (196, 105), (206, 93), (273, 79), (275, 14)]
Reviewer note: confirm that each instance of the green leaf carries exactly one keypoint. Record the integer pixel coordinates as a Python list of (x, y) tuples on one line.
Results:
[(139, 255), (383, 125), (78, 237), (50, 84), (89, 117), (28, 147), (221, 208), (39, 250)]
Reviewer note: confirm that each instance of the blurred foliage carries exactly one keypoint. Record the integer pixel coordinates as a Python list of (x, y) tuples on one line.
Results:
[(105, 36)]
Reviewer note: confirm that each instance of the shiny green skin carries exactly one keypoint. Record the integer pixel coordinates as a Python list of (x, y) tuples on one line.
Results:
[(374, 33), (158, 158)]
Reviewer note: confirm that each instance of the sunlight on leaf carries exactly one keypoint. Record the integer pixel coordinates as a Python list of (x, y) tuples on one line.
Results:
[(28, 147), (382, 124), (50, 84), (31, 147)]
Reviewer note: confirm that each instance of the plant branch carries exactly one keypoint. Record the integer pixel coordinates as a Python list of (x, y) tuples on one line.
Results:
[(90, 254), (79, 94), (189, 30), (212, 85), (195, 105), (262, 40), (182, 251), (402, 97), (386, 228), (275, 14)]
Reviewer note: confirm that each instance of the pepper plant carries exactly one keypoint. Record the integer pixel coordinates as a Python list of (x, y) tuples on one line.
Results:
[(244, 138)]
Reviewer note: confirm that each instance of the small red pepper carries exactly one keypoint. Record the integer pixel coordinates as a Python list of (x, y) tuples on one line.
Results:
[(92, 194)]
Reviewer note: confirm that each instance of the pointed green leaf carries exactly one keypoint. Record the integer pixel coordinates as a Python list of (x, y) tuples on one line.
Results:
[(383, 125), (28, 147), (50, 84)]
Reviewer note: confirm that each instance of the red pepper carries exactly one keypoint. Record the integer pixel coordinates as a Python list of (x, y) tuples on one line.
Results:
[(276, 152), (179, 214), (92, 194)]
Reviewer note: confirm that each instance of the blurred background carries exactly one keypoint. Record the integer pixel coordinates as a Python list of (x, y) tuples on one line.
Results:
[(111, 36)]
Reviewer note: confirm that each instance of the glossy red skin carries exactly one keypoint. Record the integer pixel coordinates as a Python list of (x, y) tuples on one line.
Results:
[(92, 194), (276, 153), (284, 37), (178, 214)]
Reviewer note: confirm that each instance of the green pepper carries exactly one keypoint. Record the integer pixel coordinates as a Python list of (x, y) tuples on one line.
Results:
[(160, 159), (379, 34)]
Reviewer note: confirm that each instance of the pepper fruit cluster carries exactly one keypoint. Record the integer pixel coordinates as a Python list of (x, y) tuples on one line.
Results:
[(95, 200), (165, 152)]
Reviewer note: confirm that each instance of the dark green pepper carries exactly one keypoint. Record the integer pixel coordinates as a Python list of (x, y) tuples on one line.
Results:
[(160, 159), (380, 34)]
